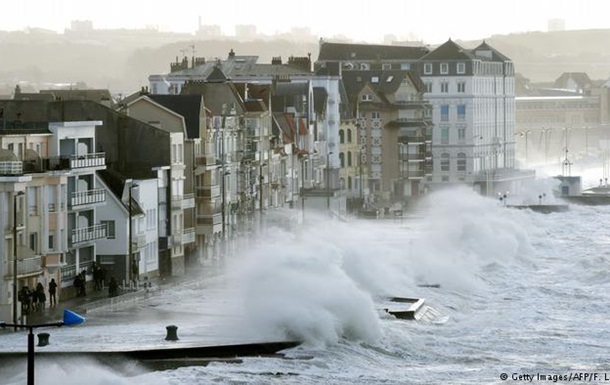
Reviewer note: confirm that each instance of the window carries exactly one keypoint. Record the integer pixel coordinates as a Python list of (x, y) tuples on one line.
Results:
[(349, 135), (444, 87), (390, 78), (427, 68), (462, 134), (341, 136), (51, 242), (461, 112), (428, 86), (349, 159), (461, 87), (386, 66), (110, 231), (375, 79), (365, 66), (445, 162), (34, 242), (444, 68), (461, 161), (367, 97), (342, 159), (376, 115), (445, 135), (445, 113), (461, 68)]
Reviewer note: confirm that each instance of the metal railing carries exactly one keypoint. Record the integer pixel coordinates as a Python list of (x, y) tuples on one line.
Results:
[(79, 198), (86, 234), (88, 160), (26, 266), (11, 167), (188, 236)]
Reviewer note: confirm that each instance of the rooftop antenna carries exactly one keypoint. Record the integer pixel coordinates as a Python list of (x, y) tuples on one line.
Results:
[(193, 55)]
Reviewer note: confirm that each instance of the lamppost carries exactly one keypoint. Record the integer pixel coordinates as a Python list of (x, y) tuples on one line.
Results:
[(15, 289), (304, 160), (132, 263), (70, 318), (328, 181), (261, 181)]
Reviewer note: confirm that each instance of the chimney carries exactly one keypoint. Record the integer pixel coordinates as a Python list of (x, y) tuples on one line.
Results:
[(231, 54), (276, 60)]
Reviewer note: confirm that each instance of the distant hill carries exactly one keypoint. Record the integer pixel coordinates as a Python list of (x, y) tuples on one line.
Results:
[(123, 65)]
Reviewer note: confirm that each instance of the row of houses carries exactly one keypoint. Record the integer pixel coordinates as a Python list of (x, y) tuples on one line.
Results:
[(210, 150)]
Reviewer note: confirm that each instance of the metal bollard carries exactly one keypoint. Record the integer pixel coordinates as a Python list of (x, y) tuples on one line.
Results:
[(172, 333), (43, 339)]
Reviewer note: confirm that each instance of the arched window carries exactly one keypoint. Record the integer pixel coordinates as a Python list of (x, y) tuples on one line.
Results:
[(461, 161), (341, 136), (349, 135), (445, 162), (342, 182), (342, 159), (349, 159), (349, 182)]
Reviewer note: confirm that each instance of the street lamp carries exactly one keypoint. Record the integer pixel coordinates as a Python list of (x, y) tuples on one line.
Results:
[(261, 179), (328, 181), (15, 297), (304, 160), (70, 318)]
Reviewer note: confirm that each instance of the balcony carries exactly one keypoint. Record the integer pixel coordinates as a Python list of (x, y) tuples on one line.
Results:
[(188, 201), (176, 202), (87, 234), (208, 224), (89, 197), (139, 241), (412, 157), (205, 160), (26, 266), (188, 236), (88, 160), (11, 167), (208, 192), (411, 139), (177, 238)]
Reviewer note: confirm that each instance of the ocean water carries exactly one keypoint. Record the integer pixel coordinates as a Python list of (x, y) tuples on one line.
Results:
[(520, 293)]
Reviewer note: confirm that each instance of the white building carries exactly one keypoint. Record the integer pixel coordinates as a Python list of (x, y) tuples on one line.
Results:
[(473, 97), (135, 201)]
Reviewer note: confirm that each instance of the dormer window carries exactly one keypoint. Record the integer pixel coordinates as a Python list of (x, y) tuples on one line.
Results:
[(444, 68), (375, 79), (427, 68), (364, 66), (367, 97)]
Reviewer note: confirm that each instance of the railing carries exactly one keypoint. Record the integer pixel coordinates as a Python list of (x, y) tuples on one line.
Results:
[(178, 238), (88, 160), (176, 202), (188, 201), (417, 156), (188, 236), (87, 234), (10, 167), (208, 192), (79, 198), (26, 266), (210, 208), (69, 272), (411, 139), (140, 241), (209, 220)]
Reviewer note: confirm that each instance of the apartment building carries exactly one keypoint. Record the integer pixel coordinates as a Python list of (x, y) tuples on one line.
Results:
[(49, 182)]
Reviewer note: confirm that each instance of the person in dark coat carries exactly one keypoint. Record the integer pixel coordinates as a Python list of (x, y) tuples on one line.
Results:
[(52, 292), (113, 288), (42, 297)]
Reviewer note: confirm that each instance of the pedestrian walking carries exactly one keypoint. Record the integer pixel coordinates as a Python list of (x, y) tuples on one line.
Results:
[(42, 297), (52, 292)]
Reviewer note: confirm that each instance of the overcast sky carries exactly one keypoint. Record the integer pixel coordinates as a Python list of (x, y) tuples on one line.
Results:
[(432, 21)]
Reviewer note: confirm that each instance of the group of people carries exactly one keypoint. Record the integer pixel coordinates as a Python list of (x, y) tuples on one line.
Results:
[(36, 299)]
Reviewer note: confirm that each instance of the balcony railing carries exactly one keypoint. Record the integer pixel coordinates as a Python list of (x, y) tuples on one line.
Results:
[(209, 219), (188, 201), (87, 234), (411, 139), (26, 266), (139, 241), (417, 156), (188, 236), (176, 202), (208, 192), (88, 160), (10, 167), (80, 198)]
